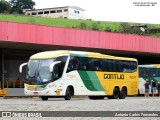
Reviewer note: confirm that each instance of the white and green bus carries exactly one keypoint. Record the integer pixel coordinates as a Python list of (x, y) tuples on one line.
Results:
[(148, 72), (64, 73)]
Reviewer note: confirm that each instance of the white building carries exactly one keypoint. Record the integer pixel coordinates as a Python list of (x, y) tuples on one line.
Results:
[(71, 12)]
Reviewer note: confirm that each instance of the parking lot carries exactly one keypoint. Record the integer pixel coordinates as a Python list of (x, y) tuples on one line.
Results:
[(82, 104)]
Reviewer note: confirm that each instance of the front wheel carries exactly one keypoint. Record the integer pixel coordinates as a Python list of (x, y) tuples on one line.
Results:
[(68, 94)]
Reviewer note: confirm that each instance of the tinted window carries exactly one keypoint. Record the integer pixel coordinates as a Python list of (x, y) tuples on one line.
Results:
[(58, 68), (73, 64), (149, 72), (95, 64)]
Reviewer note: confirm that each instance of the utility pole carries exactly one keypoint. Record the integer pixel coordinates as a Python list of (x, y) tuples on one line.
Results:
[(3, 92)]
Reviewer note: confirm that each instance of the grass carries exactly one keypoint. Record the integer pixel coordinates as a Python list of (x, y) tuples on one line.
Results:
[(70, 23)]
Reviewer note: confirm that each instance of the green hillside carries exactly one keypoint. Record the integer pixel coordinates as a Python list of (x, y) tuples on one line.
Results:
[(85, 24)]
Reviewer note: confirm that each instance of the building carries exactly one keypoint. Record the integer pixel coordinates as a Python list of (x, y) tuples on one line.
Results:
[(70, 12)]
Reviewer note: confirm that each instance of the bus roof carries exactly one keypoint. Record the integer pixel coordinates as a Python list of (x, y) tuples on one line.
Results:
[(150, 66), (49, 54), (57, 53)]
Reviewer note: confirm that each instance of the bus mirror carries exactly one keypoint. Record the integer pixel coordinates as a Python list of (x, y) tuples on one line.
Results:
[(52, 65), (21, 66)]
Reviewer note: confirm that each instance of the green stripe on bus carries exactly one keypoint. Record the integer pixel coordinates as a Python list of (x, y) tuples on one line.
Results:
[(41, 86), (157, 79), (86, 80), (95, 81)]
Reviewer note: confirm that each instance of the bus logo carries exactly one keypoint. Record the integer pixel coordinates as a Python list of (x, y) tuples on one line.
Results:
[(113, 76)]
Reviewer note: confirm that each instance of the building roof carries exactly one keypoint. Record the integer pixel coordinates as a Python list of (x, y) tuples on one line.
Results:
[(74, 7)]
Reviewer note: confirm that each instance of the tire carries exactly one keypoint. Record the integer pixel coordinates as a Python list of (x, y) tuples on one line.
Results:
[(122, 94), (101, 97), (96, 97), (68, 94), (91, 97), (139, 93), (110, 97), (44, 98), (115, 93)]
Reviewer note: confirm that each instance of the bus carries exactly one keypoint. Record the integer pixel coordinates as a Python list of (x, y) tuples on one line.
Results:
[(64, 73), (148, 72)]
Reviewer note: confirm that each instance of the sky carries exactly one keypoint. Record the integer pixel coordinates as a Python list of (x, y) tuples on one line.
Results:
[(111, 10)]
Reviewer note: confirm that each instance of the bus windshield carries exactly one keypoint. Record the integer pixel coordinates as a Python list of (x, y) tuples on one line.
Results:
[(39, 69)]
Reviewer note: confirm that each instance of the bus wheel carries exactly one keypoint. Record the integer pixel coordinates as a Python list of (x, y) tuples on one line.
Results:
[(115, 93), (139, 93), (101, 97), (68, 94), (122, 94), (110, 97), (91, 97), (96, 97), (44, 98)]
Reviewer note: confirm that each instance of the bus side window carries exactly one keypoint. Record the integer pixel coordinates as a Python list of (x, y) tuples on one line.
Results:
[(107, 65), (58, 70), (119, 66), (83, 63), (73, 64), (97, 65)]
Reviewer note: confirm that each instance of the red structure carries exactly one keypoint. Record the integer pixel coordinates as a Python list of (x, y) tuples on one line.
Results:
[(37, 34), (19, 41)]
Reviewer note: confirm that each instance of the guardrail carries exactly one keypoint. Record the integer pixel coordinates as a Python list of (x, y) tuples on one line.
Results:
[(13, 83)]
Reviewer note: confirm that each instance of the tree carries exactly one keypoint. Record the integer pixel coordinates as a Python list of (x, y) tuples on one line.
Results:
[(19, 5), (96, 26), (4, 6), (82, 25), (108, 29), (125, 28)]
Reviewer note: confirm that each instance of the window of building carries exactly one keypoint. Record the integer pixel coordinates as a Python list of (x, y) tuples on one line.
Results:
[(46, 12), (28, 14), (34, 13), (53, 11), (59, 11), (39, 13), (65, 10), (76, 11)]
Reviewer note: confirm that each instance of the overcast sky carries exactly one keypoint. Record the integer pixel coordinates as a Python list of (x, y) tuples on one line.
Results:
[(111, 10)]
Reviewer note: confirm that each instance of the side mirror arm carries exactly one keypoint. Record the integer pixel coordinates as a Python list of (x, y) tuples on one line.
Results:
[(52, 65), (21, 66)]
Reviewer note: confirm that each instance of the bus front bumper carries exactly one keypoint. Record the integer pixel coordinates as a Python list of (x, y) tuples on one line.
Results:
[(45, 92)]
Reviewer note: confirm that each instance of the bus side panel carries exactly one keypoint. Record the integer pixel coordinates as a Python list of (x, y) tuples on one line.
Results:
[(110, 80)]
